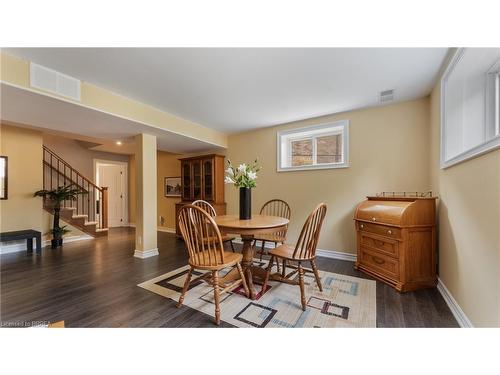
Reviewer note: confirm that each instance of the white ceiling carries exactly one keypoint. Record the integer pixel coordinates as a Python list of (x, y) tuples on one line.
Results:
[(239, 89), (68, 119)]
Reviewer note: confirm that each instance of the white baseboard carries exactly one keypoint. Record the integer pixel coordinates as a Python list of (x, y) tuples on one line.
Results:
[(319, 252), (166, 229), (336, 255), (160, 229), (15, 246), (143, 254), (455, 308)]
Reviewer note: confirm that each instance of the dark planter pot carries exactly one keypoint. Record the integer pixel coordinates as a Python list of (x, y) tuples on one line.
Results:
[(56, 242), (245, 203)]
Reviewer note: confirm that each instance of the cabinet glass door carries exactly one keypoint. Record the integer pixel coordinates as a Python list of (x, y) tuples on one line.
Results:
[(186, 180), (208, 187), (196, 179)]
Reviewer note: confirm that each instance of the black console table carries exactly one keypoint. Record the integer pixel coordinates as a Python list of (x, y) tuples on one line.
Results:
[(27, 235)]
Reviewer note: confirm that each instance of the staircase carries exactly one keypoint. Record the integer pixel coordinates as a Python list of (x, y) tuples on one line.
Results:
[(89, 212)]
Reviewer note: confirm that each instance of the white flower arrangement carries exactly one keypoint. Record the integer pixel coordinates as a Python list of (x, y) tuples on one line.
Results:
[(243, 176)]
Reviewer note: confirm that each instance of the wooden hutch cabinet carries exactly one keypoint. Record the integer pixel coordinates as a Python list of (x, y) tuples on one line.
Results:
[(202, 177), (396, 239)]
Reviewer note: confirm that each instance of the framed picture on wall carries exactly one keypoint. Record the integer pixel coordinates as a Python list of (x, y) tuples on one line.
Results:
[(3, 177), (172, 186)]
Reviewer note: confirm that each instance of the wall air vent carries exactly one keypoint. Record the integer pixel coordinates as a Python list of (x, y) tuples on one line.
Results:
[(54, 82), (386, 96)]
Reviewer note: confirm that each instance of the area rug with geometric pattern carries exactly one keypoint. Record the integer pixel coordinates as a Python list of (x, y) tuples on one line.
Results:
[(346, 301)]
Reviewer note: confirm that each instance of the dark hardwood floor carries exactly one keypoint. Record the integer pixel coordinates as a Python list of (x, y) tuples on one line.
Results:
[(93, 284)]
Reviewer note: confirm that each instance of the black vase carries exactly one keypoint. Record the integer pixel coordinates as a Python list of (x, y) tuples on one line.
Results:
[(245, 203)]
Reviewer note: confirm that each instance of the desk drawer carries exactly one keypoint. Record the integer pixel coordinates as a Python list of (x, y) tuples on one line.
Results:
[(384, 245), (383, 230), (380, 263)]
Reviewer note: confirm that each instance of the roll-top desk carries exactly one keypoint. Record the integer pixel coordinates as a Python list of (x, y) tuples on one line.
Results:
[(396, 240)]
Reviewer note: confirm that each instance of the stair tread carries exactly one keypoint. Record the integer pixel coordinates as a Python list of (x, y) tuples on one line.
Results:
[(71, 215)]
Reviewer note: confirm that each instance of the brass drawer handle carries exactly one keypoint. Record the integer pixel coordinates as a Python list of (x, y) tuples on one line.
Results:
[(361, 226), (374, 218), (378, 260), (389, 231)]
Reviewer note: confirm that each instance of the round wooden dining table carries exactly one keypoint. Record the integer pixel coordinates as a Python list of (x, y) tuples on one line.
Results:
[(247, 229)]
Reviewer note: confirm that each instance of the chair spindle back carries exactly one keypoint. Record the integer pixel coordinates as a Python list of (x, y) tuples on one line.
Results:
[(277, 207), (201, 235), (204, 205), (308, 239)]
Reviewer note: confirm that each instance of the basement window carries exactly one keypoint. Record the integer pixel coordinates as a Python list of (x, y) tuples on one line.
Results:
[(314, 147), (470, 105)]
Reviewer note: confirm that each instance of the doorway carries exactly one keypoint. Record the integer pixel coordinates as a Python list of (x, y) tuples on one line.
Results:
[(113, 175)]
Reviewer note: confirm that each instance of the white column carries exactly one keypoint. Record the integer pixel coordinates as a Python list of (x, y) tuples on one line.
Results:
[(145, 186)]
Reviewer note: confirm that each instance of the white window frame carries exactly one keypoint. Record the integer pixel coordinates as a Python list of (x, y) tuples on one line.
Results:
[(312, 132), (492, 141), (497, 104)]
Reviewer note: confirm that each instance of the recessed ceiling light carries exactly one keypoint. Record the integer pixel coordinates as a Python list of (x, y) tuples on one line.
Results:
[(119, 143)]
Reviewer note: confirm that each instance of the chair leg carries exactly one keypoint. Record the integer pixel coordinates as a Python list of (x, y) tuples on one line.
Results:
[(262, 249), (302, 291), (277, 260), (283, 271), (316, 274), (215, 277), (232, 246), (244, 281), (186, 286), (268, 272)]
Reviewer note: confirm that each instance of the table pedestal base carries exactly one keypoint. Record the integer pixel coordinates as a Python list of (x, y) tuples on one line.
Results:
[(250, 271), (258, 224)]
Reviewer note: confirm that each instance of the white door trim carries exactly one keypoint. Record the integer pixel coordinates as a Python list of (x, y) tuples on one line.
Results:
[(97, 162)]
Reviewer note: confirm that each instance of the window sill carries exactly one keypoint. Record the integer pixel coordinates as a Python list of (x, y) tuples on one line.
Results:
[(313, 167), (479, 150)]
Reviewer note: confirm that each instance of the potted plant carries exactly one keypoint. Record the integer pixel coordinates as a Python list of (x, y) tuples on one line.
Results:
[(243, 178), (56, 196)]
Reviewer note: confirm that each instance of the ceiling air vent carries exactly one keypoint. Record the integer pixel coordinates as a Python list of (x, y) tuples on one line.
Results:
[(386, 96), (54, 82)]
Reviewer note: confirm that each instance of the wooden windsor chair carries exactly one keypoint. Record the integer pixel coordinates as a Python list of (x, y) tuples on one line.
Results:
[(304, 251), (274, 207), (204, 205), (206, 252)]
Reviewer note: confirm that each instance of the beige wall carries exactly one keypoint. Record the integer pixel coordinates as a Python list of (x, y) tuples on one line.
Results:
[(168, 166), (82, 159), (79, 157), (24, 149), (469, 227), (387, 152), (22, 210)]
